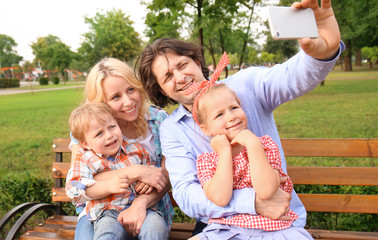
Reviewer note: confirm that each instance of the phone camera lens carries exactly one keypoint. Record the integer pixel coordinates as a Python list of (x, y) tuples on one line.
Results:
[(277, 34)]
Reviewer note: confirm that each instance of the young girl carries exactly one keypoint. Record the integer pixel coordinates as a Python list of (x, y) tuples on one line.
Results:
[(240, 160), (113, 82)]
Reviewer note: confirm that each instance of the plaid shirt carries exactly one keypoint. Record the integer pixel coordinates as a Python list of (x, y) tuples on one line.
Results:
[(88, 164), (155, 118), (206, 167)]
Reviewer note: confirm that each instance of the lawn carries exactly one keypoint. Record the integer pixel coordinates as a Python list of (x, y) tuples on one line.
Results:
[(346, 107)]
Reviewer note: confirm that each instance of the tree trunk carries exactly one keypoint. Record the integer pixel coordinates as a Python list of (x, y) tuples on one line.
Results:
[(246, 36), (223, 48), (358, 58), (348, 56), (200, 30)]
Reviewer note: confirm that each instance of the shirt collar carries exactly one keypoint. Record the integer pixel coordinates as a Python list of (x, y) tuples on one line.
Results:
[(180, 112)]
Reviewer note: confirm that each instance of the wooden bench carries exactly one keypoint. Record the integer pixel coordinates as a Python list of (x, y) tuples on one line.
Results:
[(60, 226)]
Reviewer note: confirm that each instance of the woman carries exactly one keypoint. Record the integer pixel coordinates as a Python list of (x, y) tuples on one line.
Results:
[(113, 82)]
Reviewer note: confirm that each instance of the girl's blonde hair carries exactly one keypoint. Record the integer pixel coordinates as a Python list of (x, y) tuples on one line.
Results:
[(81, 116), (113, 67)]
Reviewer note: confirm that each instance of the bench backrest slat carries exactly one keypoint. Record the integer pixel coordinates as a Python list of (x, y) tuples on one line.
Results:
[(358, 176), (322, 147)]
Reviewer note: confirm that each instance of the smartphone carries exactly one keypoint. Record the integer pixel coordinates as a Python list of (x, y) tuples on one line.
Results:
[(292, 23)]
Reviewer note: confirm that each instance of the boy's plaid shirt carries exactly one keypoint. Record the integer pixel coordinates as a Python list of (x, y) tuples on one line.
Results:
[(88, 164)]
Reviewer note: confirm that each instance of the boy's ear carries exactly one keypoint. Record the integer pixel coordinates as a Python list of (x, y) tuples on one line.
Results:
[(204, 129), (85, 145)]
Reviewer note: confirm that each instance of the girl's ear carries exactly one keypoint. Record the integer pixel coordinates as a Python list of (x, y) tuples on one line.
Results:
[(204, 129)]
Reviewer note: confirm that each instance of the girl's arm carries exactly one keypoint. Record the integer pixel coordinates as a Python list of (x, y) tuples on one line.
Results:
[(265, 179), (218, 189)]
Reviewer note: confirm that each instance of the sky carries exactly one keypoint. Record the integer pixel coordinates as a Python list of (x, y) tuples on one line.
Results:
[(27, 20)]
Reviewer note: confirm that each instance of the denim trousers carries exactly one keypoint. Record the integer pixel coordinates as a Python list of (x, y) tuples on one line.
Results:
[(108, 227)]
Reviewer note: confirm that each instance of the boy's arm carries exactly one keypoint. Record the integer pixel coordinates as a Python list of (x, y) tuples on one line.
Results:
[(265, 179), (218, 188), (114, 185)]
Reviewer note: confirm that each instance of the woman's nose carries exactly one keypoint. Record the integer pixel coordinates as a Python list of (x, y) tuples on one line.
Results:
[(126, 101)]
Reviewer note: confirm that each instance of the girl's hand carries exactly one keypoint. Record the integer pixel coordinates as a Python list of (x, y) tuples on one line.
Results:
[(142, 188), (244, 138), (220, 143)]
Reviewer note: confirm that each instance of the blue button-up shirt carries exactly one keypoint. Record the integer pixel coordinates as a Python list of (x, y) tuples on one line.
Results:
[(260, 90)]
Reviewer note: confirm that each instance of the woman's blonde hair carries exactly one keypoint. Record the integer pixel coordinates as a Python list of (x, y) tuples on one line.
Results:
[(113, 67)]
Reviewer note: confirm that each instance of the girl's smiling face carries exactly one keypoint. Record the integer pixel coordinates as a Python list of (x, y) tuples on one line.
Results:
[(222, 114)]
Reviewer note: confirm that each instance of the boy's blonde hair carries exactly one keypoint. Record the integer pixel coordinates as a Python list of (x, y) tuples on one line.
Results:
[(113, 67), (81, 116), (201, 114)]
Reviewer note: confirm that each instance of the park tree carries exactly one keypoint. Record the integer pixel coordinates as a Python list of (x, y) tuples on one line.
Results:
[(161, 24), (358, 26), (371, 53), (209, 20), (8, 55), (52, 54), (111, 35)]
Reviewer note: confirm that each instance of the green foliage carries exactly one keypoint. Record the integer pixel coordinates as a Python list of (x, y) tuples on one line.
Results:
[(21, 188), (43, 81), (162, 24), (371, 53), (9, 82), (56, 80), (8, 55), (52, 53), (111, 35)]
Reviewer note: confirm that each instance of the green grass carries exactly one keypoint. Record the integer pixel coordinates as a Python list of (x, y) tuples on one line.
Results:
[(28, 123), (340, 109)]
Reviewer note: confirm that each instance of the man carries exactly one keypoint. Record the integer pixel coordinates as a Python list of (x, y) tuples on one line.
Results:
[(168, 67)]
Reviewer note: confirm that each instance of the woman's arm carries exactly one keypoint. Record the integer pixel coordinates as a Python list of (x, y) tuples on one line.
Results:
[(265, 179), (74, 150), (218, 189)]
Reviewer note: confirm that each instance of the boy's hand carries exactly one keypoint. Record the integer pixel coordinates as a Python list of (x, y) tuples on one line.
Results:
[(118, 184), (220, 143), (142, 188)]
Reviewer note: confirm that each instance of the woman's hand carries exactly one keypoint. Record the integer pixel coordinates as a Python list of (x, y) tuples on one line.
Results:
[(142, 188), (327, 44), (152, 176)]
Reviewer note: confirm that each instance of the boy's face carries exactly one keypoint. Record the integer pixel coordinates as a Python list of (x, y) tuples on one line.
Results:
[(103, 137), (223, 114), (175, 74)]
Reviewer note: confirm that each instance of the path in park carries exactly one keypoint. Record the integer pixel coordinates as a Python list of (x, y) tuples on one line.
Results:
[(6, 91)]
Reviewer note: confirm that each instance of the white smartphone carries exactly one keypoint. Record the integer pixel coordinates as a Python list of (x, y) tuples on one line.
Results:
[(291, 23)]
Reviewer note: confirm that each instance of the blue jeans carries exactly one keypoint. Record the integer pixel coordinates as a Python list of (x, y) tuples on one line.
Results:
[(107, 227), (84, 229)]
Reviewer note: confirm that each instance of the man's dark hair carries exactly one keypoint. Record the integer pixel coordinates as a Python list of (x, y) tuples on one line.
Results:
[(159, 48)]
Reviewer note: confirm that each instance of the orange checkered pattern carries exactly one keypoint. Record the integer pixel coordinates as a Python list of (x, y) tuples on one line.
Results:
[(88, 164)]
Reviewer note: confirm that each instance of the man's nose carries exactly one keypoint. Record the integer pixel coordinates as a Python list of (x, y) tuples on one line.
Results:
[(178, 76)]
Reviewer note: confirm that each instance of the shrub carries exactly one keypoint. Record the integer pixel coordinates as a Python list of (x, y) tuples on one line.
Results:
[(56, 80), (9, 82), (43, 81)]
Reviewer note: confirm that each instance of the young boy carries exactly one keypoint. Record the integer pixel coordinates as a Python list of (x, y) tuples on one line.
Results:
[(105, 149)]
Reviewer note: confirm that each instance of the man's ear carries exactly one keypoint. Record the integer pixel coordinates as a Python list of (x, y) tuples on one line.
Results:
[(162, 92), (204, 129)]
